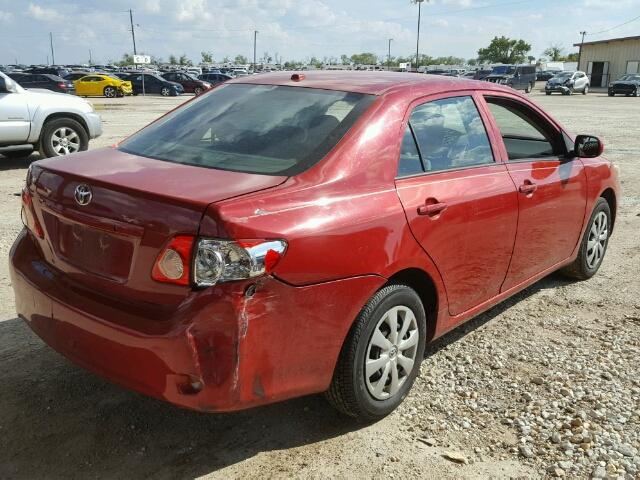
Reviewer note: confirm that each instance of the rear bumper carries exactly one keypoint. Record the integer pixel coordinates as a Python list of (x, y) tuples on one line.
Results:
[(94, 124), (218, 351)]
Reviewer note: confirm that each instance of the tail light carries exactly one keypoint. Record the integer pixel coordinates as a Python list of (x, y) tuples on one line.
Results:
[(62, 85), (173, 263), (29, 217), (219, 261), (216, 261)]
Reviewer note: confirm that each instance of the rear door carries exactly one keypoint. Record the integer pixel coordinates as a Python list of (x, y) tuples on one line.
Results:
[(460, 203), (551, 188)]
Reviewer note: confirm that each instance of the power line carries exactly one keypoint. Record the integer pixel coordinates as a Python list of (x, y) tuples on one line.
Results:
[(617, 26)]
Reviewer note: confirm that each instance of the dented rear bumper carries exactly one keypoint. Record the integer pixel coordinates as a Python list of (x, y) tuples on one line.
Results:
[(223, 348)]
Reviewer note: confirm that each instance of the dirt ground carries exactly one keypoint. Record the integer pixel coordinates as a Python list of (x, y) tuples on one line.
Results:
[(545, 384)]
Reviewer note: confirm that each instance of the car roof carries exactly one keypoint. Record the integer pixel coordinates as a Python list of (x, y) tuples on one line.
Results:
[(370, 82)]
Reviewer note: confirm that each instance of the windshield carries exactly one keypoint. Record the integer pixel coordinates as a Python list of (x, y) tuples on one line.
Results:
[(560, 76), (630, 77), (265, 129), (503, 69)]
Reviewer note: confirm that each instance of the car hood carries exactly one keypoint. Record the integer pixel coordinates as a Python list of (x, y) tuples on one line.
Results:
[(626, 82)]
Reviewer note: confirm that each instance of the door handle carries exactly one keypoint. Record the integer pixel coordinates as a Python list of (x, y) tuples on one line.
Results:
[(432, 209), (528, 187)]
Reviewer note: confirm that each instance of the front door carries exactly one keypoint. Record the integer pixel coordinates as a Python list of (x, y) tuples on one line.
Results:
[(552, 189), (14, 118), (461, 205)]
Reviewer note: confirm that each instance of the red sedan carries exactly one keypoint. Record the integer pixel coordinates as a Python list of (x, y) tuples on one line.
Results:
[(285, 235)]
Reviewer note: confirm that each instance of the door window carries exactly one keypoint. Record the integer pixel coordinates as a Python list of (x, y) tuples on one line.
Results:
[(450, 134), (525, 134), (410, 163)]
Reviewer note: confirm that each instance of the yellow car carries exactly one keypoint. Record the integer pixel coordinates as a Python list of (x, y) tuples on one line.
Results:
[(102, 85)]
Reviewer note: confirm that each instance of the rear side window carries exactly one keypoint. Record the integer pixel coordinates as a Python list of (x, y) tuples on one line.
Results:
[(450, 134), (266, 129)]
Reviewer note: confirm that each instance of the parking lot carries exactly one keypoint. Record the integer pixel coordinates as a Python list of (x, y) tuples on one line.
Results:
[(544, 384)]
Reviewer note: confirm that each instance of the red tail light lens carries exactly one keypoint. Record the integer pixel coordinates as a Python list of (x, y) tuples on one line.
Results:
[(173, 263), (29, 217)]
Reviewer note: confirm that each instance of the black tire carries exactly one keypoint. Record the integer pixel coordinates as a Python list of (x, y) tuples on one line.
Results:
[(611, 94), (348, 392), (636, 93), (165, 92), (110, 92), (197, 91), (528, 88), (585, 90), (46, 148), (548, 93), (580, 268)]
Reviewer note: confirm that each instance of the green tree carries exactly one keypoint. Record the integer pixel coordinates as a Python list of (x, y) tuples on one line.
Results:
[(226, 59), (207, 57), (572, 57), (184, 60), (554, 52), (344, 59), (241, 60), (472, 62), (504, 50), (173, 60), (127, 59), (364, 59)]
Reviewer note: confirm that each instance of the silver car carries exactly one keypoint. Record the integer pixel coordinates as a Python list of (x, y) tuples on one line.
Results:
[(568, 83)]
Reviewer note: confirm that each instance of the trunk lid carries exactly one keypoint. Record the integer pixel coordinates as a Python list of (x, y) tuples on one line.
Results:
[(137, 204)]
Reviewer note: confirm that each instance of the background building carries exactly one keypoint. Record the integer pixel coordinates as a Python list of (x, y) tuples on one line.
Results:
[(606, 60)]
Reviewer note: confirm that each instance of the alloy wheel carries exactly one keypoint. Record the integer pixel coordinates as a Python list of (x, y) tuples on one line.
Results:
[(165, 92), (109, 92), (65, 140), (391, 353), (597, 240)]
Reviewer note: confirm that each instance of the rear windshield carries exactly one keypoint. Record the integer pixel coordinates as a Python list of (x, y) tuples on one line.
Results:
[(263, 129)]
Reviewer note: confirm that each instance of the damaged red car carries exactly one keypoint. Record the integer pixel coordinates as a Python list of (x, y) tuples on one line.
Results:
[(285, 235)]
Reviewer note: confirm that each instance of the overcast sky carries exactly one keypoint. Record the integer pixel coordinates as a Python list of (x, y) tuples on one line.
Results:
[(296, 29)]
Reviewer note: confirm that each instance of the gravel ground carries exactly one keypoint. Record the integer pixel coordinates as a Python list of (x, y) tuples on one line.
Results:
[(544, 385)]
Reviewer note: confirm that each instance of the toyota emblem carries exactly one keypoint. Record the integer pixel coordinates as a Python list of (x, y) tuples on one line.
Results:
[(83, 194)]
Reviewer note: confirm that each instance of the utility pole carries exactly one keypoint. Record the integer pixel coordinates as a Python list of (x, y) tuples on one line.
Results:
[(419, 2), (90, 62), (389, 56), (580, 52), (133, 32), (53, 57), (255, 39)]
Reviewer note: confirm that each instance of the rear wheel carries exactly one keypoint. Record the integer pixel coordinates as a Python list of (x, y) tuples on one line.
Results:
[(528, 88), (110, 92), (165, 92), (62, 136), (381, 357), (197, 90), (594, 243), (636, 93)]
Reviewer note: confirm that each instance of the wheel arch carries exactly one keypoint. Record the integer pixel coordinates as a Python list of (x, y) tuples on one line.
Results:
[(70, 115), (425, 287), (610, 196)]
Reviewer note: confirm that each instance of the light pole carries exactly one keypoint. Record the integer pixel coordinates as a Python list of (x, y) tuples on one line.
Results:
[(580, 51), (53, 55), (255, 39), (389, 55), (419, 2)]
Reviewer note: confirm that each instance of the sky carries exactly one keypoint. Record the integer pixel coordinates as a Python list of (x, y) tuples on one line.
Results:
[(297, 29)]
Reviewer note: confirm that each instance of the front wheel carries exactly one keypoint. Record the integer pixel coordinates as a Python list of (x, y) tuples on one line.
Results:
[(381, 357), (197, 91), (165, 92), (593, 245), (611, 94), (110, 92), (528, 88), (636, 93), (548, 93), (62, 136), (586, 90)]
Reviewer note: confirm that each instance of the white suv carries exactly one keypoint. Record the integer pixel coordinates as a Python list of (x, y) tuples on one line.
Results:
[(52, 123)]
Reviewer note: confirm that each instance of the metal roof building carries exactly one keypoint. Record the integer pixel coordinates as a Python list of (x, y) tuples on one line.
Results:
[(606, 60)]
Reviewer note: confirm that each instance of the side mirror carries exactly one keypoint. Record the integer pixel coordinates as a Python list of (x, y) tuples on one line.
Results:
[(588, 146)]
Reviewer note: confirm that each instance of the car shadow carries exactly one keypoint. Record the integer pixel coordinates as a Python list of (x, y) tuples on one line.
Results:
[(57, 420), (7, 163)]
